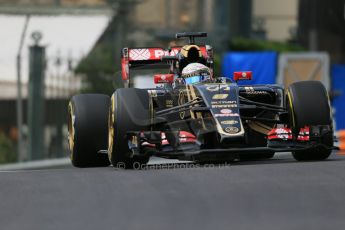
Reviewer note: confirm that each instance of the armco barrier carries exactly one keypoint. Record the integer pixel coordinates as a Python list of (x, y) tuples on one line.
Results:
[(41, 164)]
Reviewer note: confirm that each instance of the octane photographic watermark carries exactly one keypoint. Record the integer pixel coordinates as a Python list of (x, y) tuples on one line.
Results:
[(165, 166)]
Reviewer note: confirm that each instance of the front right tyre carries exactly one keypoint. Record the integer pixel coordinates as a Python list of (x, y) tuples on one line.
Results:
[(88, 130), (308, 105)]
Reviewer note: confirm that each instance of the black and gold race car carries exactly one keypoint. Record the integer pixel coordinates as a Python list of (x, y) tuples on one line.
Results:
[(193, 115)]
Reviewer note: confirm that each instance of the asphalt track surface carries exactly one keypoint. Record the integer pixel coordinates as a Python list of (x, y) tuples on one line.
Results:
[(270, 194)]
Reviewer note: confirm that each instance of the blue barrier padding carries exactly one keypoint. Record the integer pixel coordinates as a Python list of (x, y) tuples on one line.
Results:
[(262, 64), (338, 85)]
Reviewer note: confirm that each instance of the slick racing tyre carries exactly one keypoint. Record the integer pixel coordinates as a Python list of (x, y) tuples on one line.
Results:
[(87, 130), (129, 111), (308, 105)]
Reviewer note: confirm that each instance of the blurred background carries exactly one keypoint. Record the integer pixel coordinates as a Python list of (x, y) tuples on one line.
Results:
[(53, 49)]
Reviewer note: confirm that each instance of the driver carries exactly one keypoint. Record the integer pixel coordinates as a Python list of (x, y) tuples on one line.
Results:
[(195, 73)]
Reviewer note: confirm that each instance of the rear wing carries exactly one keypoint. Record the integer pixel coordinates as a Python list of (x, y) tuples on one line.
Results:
[(132, 57)]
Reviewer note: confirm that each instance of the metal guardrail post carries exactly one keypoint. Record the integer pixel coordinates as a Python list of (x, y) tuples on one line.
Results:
[(19, 103), (36, 99)]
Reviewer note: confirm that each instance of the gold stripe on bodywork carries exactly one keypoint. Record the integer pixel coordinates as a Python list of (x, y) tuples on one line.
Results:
[(198, 114), (152, 92), (259, 127), (190, 98)]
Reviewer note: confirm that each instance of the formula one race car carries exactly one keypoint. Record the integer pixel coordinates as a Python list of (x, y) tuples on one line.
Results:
[(193, 115)]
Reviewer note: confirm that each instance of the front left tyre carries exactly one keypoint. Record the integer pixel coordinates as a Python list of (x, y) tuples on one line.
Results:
[(88, 130), (129, 111)]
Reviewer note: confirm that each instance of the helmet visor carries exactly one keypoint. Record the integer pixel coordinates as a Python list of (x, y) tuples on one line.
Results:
[(196, 79)]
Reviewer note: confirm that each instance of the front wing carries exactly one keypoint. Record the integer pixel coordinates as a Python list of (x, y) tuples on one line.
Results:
[(155, 144)]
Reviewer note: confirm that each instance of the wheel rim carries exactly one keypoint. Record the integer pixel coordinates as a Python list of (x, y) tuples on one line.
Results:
[(111, 130), (71, 129), (291, 109)]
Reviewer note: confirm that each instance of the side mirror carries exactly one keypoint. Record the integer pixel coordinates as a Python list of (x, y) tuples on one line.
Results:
[(164, 78), (243, 75)]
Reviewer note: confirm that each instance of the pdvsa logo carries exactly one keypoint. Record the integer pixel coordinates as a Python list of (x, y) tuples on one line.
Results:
[(161, 53)]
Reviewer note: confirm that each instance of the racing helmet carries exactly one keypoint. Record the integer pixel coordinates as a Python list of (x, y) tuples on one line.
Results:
[(195, 73), (190, 54)]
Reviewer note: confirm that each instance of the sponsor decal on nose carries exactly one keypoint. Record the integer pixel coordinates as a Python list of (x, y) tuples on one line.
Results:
[(231, 130), (219, 96), (226, 111), (229, 122), (227, 115)]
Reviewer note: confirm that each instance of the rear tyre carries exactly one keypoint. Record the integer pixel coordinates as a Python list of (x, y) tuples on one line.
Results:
[(87, 130), (308, 105), (129, 111)]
